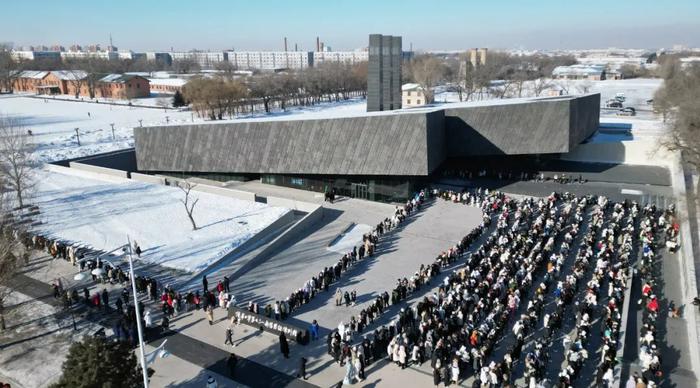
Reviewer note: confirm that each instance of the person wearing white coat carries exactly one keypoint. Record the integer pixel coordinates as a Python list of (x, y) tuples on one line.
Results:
[(148, 319)]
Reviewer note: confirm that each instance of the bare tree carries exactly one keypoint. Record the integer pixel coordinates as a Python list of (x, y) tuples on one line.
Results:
[(427, 71), (679, 101), (9, 69), (10, 259), (584, 86), (186, 188), (539, 85), (16, 161)]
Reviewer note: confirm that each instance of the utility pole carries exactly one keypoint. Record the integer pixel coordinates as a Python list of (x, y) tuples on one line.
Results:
[(138, 316), (113, 137), (77, 135)]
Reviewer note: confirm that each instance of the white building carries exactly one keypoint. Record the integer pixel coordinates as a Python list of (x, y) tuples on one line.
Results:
[(351, 57), (107, 55), (20, 55), (412, 96), (580, 71), (270, 60), (205, 59)]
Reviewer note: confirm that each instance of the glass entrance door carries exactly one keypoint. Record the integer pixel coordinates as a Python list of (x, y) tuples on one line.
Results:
[(360, 191)]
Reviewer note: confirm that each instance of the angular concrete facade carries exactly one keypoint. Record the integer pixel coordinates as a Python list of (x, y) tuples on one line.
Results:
[(384, 73), (538, 126), (407, 143)]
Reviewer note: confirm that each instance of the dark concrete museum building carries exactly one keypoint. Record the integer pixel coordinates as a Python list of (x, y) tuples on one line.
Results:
[(382, 156)]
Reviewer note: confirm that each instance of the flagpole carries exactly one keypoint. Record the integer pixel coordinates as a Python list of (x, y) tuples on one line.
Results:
[(138, 317)]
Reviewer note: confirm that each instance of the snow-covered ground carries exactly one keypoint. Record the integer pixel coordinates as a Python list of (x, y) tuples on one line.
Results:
[(37, 341), (350, 239), (53, 123), (76, 206)]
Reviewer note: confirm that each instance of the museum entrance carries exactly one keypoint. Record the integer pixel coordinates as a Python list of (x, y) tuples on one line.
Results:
[(359, 190)]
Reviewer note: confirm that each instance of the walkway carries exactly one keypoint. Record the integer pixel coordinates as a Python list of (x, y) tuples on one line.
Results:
[(211, 358)]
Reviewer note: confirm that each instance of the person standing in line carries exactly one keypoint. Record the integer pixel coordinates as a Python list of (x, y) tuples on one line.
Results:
[(205, 284), (211, 382), (302, 368), (210, 315), (227, 284), (284, 346)]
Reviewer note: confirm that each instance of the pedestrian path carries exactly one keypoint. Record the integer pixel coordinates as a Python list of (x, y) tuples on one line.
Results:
[(211, 358)]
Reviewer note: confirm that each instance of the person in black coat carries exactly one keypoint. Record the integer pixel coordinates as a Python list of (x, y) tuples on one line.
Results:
[(231, 362), (302, 368), (227, 284), (205, 283), (105, 298), (284, 346), (436, 377)]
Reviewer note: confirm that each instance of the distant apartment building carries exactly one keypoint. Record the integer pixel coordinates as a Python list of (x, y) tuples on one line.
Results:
[(29, 55), (412, 96), (131, 55), (205, 59), (270, 60), (580, 72), (106, 55), (351, 57), (160, 58)]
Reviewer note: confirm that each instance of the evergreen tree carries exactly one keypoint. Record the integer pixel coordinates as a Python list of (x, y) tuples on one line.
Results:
[(95, 362), (178, 100)]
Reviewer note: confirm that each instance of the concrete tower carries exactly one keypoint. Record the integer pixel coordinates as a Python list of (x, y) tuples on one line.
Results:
[(384, 73)]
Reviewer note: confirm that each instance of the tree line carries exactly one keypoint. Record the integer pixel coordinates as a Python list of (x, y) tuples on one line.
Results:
[(226, 95), (678, 101), (478, 81)]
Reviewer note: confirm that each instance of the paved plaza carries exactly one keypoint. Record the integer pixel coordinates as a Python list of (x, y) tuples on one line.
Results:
[(197, 351)]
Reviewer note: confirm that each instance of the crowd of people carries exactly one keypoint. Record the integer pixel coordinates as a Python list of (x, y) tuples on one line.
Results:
[(508, 283), (656, 223), (512, 175)]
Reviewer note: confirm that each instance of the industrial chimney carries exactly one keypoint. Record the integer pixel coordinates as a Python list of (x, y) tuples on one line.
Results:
[(285, 44)]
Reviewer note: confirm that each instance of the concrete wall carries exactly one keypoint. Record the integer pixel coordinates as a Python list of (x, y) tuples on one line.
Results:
[(391, 144), (207, 188), (147, 178), (121, 160), (584, 118), (291, 234), (528, 127), (260, 238), (292, 204), (99, 170)]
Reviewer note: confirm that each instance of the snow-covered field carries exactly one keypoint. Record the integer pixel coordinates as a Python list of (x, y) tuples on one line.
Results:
[(53, 123), (76, 206)]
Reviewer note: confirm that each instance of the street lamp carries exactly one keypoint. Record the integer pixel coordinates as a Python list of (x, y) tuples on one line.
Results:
[(77, 135), (144, 367), (113, 137)]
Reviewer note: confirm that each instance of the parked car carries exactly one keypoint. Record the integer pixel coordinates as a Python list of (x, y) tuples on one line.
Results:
[(613, 104), (628, 111)]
